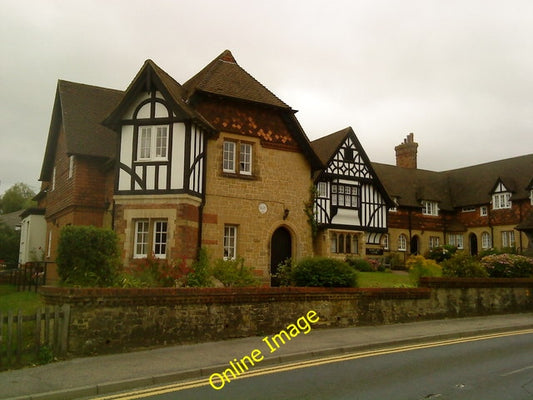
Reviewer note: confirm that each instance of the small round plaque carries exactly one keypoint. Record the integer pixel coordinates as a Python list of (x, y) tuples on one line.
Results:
[(263, 208)]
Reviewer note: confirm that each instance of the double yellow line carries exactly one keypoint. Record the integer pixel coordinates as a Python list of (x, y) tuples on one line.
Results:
[(139, 394)]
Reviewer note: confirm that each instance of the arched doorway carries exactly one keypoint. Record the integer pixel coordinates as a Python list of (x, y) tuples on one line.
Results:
[(415, 245), (280, 250), (473, 244)]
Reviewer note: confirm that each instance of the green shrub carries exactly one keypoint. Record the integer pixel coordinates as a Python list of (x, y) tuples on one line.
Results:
[(284, 273), (157, 272), (419, 267), (234, 273), (463, 265), (441, 253), (87, 256), (508, 266), (200, 275), (324, 272), (361, 264)]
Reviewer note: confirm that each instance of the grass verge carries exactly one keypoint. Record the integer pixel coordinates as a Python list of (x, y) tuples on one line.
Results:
[(383, 280)]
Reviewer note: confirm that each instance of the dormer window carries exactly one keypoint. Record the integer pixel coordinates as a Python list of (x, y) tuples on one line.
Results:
[(501, 200), (501, 197), (430, 208)]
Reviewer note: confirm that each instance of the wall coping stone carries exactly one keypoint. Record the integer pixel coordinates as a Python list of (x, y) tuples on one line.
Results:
[(467, 283), (60, 295)]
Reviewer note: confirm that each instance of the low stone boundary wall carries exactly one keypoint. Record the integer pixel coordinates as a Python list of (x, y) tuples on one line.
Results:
[(111, 320)]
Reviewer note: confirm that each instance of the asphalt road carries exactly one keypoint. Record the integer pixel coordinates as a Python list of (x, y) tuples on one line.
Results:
[(497, 368)]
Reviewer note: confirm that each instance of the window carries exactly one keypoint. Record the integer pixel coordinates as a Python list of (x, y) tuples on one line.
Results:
[(434, 241), (53, 178), (348, 155), (531, 196), (245, 159), (141, 239), (456, 239), (430, 208), (345, 196), (402, 242), (385, 241), (508, 239), (486, 242), (395, 208), (322, 189), (230, 242), (160, 239), (152, 143), (158, 244), (344, 243), (230, 155), (70, 166), (49, 250), (483, 211), (468, 209), (501, 200)]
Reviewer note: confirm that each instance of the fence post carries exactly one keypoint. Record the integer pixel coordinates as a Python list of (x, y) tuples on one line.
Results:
[(9, 335), (19, 336), (38, 317), (63, 342), (1, 334)]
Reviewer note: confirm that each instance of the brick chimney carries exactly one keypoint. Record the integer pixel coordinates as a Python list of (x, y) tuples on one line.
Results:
[(406, 152)]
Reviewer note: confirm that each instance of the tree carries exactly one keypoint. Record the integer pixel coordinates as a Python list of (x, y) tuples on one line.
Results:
[(9, 245), (17, 197)]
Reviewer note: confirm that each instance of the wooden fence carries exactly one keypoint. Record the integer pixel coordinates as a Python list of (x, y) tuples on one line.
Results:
[(36, 338)]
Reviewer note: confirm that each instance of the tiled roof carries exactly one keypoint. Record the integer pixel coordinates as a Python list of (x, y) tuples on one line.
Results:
[(469, 186), (149, 74), (326, 146), (224, 77), (11, 219), (81, 109), (410, 186)]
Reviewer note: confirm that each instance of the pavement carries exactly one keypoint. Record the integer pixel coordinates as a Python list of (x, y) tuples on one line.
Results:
[(92, 376)]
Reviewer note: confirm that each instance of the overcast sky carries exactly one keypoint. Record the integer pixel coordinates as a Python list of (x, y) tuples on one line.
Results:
[(458, 74)]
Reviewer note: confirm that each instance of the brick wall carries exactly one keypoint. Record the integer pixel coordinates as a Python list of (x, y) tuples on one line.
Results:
[(111, 320)]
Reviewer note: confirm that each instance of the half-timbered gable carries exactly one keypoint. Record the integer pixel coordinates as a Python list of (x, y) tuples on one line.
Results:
[(349, 196), (162, 140)]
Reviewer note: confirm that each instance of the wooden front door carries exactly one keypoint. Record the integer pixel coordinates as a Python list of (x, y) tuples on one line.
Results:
[(280, 250)]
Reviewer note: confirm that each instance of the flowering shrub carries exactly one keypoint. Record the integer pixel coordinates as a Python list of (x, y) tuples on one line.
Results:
[(363, 264), (441, 253), (418, 267), (155, 272), (463, 265), (508, 266)]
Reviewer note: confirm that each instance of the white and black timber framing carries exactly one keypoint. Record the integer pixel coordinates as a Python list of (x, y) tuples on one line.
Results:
[(349, 195)]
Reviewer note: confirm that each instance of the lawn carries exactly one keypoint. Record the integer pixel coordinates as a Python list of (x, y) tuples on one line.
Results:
[(383, 279), (11, 300)]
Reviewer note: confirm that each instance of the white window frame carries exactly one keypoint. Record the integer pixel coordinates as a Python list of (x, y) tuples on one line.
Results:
[(49, 250), (150, 235), (53, 179), (155, 148), (70, 166), (456, 239), (434, 241), (228, 155), (430, 208), (233, 150), (483, 211), (402, 242), (531, 196), (385, 241), (322, 190), (468, 209), (140, 241), (230, 242), (245, 159), (508, 239), (486, 241), (160, 238), (501, 201), (342, 194)]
